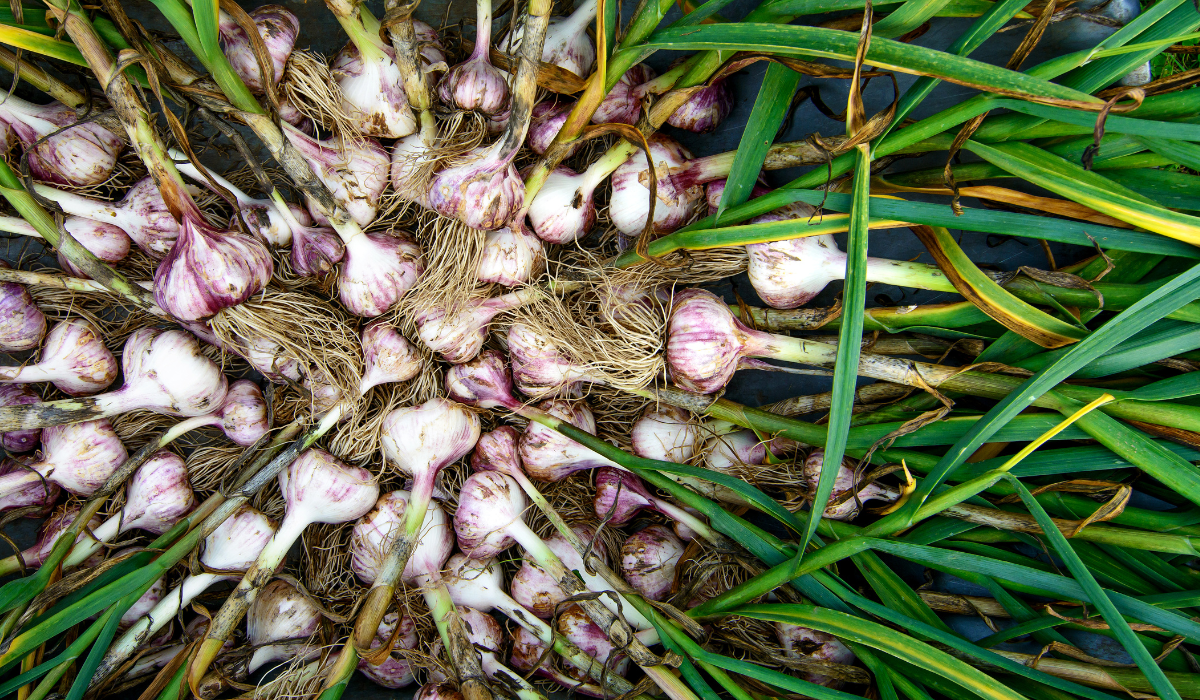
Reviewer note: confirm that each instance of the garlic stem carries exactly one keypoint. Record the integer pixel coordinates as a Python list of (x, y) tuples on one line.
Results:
[(483, 31), (471, 679)]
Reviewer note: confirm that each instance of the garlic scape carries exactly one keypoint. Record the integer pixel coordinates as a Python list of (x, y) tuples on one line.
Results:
[(164, 372)]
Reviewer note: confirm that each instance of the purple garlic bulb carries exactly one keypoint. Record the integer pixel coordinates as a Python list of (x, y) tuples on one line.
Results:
[(142, 213), (842, 504), (237, 541), (280, 613), (623, 104), (496, 451), (106, 241), (459, 336), (377, 271), (373, 90), (74, 359), (354, 170), (482, 382), (537, 590), (511, 255), (388, 356), (577, 627), (80, 155), (551, 456), (22, 323), (376, 532), (209, 270), (315, 251), (54, 526), (278, 28), (548, 119), (563, 211), (166, 372), (489, 504), (620, 496), (567, 44), (40, 493), (243, 414), (705, 109), (675, 200), (705, 342), (724, 453), (666, 433), (158, 494), (539, 368), (422, 440), (484, 191), (433, 52), (78, 457), (824, 647), (394, 672), (475, 84), (648, 561)]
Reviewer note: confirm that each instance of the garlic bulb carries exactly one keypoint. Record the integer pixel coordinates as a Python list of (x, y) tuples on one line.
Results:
[(74, 359), (482, 382), (704, 342), (621, 495), (43, 494), (548, 119), (388, 356), (648, 561), (433, 53), (483, 191), (146, 602), (843, 504), (107, 242), (354, 170), (705, 109), (242, 416), (315, 250), (377, 531), (459, 337), (81, 154), (567, 44), (411, 161), (278, 28), (511, 255), (422, 440), (166, 372), (54, 526), (377, 271), (209, 270), (489, 505), (22, 323), (475, 84), (563, 210), (665, 433), (79, 457), (496, 451), (539, 368), (622, 104), (372, 89), (264, 218), (795, 639), (394, 672), (579, 629), (281, 613), (141, 213), (674, 202), (548, 455)]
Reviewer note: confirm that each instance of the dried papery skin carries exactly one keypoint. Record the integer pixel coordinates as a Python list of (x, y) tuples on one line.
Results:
[(41, 493), (22, 323), (278, 28), (354, 170), (243, 414), (106, 241), (666, 433), (539, 367), (704, 110), (563, 210), (84, 154), (59, 521), (548, 119), (280, 612), (842, 485), (551, 456), (166, 372), (375, 533), (622, 104), (458, 335), (142, 213), (316, 250), (79, 457), (394, 672), (488, 504), (828, 648), (438, 691), (484, 191), (158, 494), (373, 92), (512, 255), (377, 271), (433, 53), (484, 382), (388, 356), (675, 200), (209, 270), (74, 359), (8, 138), (648, 561)]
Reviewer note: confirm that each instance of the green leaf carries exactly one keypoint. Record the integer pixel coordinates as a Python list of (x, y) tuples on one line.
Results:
[(795, 40), (884, 639), (909, 16), (207, 15), (1097, 596), (770, 108), (893, 592), (845, 373), (40, 44)]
